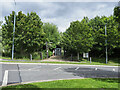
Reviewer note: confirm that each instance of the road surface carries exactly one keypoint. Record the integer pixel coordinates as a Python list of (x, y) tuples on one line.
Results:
[(12, 73)]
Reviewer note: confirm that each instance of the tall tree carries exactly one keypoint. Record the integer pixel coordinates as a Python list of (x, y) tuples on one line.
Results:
[(78, 37), (0, 39), (117, 13), (52, 34), (112, 37), (29, 35)]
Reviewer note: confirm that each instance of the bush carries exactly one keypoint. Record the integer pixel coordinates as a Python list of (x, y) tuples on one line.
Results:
[(44, 54), (36, 55), (50, 53)]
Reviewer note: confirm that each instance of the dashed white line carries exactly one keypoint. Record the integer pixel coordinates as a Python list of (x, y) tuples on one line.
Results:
[(95, 68), (57, 68), (113, 69), (77, 68), (24, 70), (5, 79), (34, 68)]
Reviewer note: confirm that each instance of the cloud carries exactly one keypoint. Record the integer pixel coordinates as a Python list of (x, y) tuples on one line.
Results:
[(60, 0), (61, 13)]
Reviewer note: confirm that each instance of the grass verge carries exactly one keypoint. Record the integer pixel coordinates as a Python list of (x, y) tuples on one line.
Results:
[(55, 62), (95, 61), (74, 83)]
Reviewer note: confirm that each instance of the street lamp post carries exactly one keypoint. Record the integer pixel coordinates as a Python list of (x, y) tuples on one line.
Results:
[(106, 44), (47, 49), (13, 34)]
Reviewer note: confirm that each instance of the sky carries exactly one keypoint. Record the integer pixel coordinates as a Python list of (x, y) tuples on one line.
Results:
[(61, 13)]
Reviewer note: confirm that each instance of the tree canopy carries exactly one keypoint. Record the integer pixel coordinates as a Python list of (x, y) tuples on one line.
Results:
[(78, 37), (29, 35), (52, 34), (87, 35)]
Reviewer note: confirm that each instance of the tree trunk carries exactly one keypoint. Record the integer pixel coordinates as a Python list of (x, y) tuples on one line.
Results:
[(41, 56), (78, 55)]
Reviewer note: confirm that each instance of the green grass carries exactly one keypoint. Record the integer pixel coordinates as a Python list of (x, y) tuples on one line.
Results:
[(9, 58), (95, 61), (55, 62), (74, 83), (5, 57)]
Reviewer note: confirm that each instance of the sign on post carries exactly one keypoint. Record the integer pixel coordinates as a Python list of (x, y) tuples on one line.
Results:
[(85, 55)]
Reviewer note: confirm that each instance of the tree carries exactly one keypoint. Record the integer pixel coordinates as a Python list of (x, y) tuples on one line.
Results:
[(0, 39), (78, 37), (29, 35), (117, 13), (52, 34), (98, 26)]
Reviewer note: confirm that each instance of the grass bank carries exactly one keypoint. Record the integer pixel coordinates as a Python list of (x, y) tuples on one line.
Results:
[(95, 61), (74, 83), (55, 62)]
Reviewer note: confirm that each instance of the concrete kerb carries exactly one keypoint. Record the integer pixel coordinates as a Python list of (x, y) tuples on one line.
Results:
[(57, 64)]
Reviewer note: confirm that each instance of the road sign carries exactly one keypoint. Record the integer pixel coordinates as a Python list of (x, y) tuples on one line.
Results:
[(85, 55)]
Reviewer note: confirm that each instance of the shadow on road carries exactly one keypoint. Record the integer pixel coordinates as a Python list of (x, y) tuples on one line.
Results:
[(92, 73)]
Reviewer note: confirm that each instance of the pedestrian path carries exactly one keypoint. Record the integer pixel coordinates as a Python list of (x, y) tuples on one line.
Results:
[(57, 59)]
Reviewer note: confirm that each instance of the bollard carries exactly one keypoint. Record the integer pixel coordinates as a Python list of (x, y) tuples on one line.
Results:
[(31, 57), (90, 59)]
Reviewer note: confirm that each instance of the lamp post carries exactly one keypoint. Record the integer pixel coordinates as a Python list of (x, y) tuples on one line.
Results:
[(106, 44), (47, 47), (13, 34)]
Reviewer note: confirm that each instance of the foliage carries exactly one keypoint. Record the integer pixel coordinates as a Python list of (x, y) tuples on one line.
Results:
[(29, 35), (78, 37), (117, 14), (0, 39), (52, 35), (112, 37)]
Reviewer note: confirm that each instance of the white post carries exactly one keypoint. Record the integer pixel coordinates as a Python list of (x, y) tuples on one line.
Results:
[(78, 55), (31, 57), (90, 59)]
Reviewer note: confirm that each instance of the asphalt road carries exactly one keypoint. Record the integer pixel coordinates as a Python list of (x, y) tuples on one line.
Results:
[(23, 73)]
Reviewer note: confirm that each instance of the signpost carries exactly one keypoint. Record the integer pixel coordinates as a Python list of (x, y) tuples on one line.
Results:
[(85, 55)]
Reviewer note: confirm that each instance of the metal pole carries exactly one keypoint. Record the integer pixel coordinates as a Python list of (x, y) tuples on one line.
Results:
[(13, 35), (47, 49), (106, 44)]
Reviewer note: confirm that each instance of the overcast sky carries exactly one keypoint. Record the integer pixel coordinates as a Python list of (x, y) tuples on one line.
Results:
[(60, 13)]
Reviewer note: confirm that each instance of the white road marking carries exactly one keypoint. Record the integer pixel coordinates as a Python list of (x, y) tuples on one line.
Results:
[(34, 68), (24, 70), (113, 69), (77, 68), (5, 79), (57, 64), (57, 68), (95, 68)]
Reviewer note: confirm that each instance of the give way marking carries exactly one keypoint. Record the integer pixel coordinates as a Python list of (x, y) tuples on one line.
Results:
[(5, 78)]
